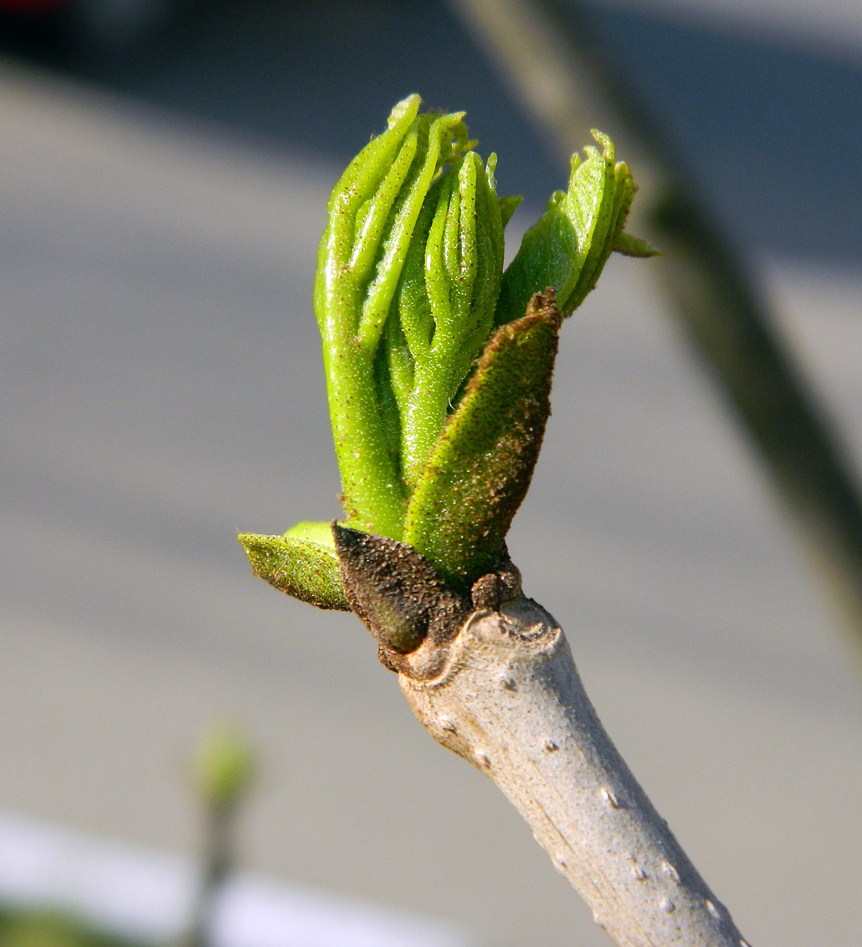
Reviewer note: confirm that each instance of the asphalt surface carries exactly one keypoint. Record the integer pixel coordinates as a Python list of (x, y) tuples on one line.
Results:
[(161, 389)]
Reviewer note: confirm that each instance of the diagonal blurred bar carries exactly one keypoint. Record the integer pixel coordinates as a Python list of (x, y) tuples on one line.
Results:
[(561, 70)]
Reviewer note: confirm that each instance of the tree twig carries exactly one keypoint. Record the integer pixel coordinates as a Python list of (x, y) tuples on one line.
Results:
[(509, 700), (491, 677)]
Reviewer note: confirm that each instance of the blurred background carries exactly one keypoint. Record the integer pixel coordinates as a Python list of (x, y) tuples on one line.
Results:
[(164, 169)]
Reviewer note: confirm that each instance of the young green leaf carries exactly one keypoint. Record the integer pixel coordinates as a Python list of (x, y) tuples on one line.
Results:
[(372, 215), (481, 466), (445, 304), (570, 244), (627, 244), (302, 563)]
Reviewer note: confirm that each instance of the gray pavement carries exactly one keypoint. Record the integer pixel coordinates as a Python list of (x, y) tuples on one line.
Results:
[(161, 389)]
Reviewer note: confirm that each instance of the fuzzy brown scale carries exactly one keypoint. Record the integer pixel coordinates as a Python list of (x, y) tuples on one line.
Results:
[(408, 608)]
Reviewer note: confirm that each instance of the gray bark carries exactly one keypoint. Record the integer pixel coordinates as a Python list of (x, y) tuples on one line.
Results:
[(505, 695)]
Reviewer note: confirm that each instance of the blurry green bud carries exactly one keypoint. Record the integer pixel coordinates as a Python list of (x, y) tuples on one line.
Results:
[(223, 768)]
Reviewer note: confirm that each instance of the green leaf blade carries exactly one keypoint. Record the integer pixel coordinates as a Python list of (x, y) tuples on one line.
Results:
[(373, 213), (570, 244), (446, 301), (481, 466), (302, 563)]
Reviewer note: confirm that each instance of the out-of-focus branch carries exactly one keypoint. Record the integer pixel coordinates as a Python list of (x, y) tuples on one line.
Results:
[(559, 68)]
